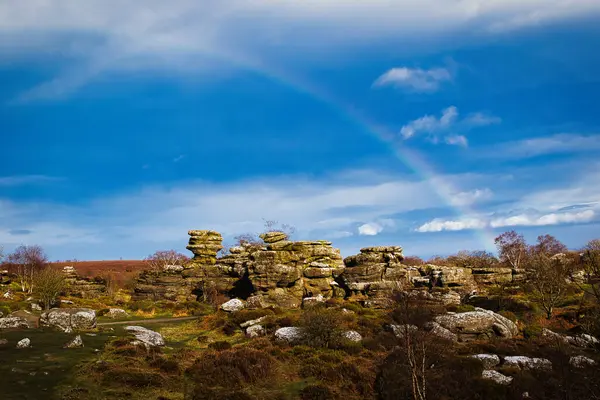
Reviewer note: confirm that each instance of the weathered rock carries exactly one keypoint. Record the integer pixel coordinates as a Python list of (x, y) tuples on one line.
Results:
[(35, 307), (205, 245), (173, 268), (252, 322), (492, 275), (13, 323), (581, 362), (488, 360), (3, 342), (116, 313), (452, 277), (273, 237), (400, 331), (447, 298), (527, 363), (74, 343), (581, 340), (145, 337), (441, 332), (496, 377), (255, 331), (478, 324), (23, 343), (311, 301), (289, 334), (69, 319), (352, 336), (83, 287), (232, 305)]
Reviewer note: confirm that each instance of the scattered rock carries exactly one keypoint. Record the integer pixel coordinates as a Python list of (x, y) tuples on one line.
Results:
[(477, 324), (13, 323), (290, 334), (401, 330), (582, 340), (35, 307), (252, 322), (69, 319), (66, 302), (581, 362), (24, 343), (173, 268), (255, 331), (496, 377), (441, 332), (3, 342), (353, 336), (8, 295), (116, 313), (74, 343), (232, 305), (527, 363), (488, 360), (311, 301), (145, 337), (448, 298)]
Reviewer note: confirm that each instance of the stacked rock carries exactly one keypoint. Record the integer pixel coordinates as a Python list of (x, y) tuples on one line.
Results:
[(375, 273), (87, 288), (286, 272), (205, 245)]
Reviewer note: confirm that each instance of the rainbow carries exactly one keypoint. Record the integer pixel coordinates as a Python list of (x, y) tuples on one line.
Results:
[(409, 157)]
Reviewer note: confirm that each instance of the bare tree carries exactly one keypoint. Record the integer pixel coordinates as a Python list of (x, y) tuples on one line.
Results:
[(548, 280), (25, 261), (512, 249), (591, 266), (549, 246), (49, 283), (159, 260), (477, 258)]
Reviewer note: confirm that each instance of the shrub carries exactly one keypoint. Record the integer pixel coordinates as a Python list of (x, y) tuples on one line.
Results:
[(460, 308), (510, 315), (232, 368), (220, 345), (316, 392), (165, 365), (133, 377), (322, 327), (532, 331)]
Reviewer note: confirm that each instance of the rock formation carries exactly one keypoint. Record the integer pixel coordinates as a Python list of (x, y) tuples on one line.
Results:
[(86, 288), (284, 273)]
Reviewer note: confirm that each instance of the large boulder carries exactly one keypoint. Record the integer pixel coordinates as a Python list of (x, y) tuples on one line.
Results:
[(69, 319), (232, 305), (74, 343), (24, 343), (497, 377), (290, 334), (13, 323), (478, 324), (527, 363), (145, 337), (487, 360)]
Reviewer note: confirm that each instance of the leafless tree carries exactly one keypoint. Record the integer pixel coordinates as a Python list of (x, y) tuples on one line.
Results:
[(591, 266), (24, 262), (548, 280), (548, 245), (49, 283), (512, 249), (159, 260), (477, 258)]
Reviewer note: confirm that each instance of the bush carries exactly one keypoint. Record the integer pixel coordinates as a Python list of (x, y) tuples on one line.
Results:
[(460, 308), (233, 368), (322, 327), (532, 331), (510, 315), (142, 305), (316, 392), (133, 377), (168, 366), (220, 345)]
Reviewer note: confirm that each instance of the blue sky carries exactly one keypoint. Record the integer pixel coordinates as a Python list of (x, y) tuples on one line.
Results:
[(429, 124)]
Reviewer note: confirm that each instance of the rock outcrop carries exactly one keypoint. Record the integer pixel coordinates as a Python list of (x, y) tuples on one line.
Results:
[(145, 337), (478, 324), (375, 273), (13, 323), (86, 288), (69, 319)]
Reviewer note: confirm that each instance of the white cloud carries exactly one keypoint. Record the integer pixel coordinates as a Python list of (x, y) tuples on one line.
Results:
[(444, 126), (533, 218), (438, 225), (416, 79), (370, 229), (562, 143), (471, 197), (193, 37), (458, 140), (545, 219)]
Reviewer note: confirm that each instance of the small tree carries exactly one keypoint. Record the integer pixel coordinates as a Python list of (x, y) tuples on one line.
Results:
[(160, 259), (49, 283), (549, 246), (512, 249), (25, 261), (591, 266), (473, 259), (548, 280)]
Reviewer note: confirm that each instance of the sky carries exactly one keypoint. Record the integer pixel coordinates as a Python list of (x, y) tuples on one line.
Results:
[(430, 124)]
